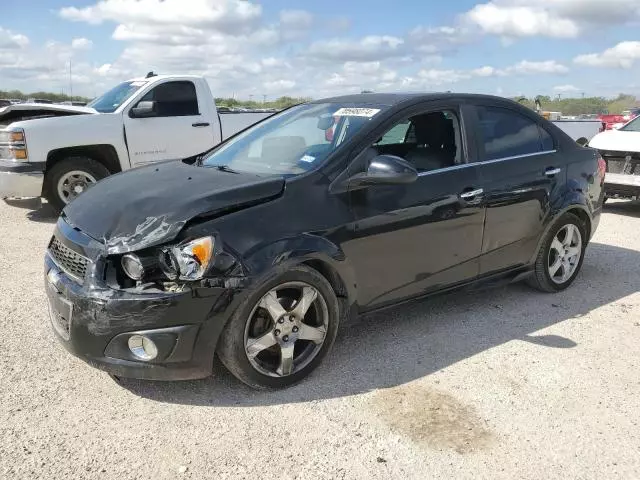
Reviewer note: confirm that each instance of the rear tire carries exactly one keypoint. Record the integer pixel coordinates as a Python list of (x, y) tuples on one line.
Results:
[(91, 169), (264, 370), (555, 267)]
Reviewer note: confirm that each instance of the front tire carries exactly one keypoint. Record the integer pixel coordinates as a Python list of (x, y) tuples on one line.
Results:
[(560, 258), (68, 178), (282, 330)]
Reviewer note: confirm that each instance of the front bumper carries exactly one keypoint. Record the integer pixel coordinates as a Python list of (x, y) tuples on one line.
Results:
[(20, 179), (94, 323), (622, 184)]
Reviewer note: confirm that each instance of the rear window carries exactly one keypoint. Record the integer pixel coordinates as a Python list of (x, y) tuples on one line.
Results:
[(506, 133)]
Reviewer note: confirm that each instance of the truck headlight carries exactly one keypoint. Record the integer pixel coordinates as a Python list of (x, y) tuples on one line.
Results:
[(132, 266), (187, 261), (13, 144)]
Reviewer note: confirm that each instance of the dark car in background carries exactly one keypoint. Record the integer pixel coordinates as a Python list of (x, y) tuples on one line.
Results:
[(256, 250)]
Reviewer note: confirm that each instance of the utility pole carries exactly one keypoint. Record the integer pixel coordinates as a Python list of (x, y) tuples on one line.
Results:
[(582, 94), (559, 95), (70, 81), (264, 99), (250, 97)]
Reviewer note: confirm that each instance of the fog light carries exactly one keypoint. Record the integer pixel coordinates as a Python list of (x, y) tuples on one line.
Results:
[(142, 347)]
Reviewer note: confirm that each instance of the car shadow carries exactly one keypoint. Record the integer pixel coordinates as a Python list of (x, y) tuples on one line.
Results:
[(409, 342), (39, 211), (624, 207)]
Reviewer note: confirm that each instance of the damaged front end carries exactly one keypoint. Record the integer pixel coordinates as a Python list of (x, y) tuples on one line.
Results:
[(154, 313)]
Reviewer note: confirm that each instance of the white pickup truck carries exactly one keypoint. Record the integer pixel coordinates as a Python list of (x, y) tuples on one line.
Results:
[(57, 151), (620, 148)]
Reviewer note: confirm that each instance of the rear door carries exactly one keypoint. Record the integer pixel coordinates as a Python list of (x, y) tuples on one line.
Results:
[(180, 128), (522, 174)]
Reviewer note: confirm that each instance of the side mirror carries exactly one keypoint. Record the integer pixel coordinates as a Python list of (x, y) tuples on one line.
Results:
[(326, 122), (143, 110), (582, 141), (386, 170)]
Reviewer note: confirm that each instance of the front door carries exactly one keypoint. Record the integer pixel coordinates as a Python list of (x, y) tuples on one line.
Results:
[(417, 238), (177, 130), (521, 174)]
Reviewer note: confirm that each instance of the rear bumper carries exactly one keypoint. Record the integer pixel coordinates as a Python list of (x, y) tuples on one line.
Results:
[(20, 179)]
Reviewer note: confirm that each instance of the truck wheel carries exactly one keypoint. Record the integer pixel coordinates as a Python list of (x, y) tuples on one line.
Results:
[(70, 177), (282, 330), (560, 258)]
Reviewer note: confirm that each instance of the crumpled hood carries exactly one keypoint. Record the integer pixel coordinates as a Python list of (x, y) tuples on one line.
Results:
[(616, 140), (150, 205)]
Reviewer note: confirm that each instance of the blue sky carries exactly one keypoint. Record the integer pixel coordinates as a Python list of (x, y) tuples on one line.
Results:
[(318, 48)]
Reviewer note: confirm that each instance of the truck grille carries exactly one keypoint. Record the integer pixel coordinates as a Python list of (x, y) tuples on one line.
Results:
[(69, 261), (627, 163)]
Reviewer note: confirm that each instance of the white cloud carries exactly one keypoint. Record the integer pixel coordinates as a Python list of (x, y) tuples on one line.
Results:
[(10, 40), (224, 15), (433, 40), (623, 55), (566, 89), (439, 77), (526, 67), (81, 44), (550, 18), (370, 48), (520, 21)]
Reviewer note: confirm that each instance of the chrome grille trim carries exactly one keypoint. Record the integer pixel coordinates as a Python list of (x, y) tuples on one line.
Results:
[(70, 262)]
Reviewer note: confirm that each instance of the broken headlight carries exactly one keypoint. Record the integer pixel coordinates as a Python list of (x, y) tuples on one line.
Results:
[(187, 261)]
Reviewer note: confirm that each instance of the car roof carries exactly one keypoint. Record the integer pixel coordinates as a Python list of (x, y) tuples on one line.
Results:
[(390, 99)]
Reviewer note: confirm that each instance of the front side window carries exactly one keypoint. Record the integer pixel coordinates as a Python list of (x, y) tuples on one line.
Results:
[(294, 141), (428, 141), (506, 133), (110, 101), (174, 99)]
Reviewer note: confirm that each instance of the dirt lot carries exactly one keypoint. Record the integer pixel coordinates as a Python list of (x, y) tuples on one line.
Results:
[(505, 383)]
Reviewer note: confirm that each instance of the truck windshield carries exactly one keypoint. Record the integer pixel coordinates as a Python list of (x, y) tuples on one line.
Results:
[(632, 126), (294, 141), (110, 101)]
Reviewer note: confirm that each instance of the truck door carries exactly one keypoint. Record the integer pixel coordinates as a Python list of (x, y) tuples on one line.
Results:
[(178, 126)]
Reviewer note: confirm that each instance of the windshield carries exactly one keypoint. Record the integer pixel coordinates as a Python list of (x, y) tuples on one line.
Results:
[(294, 141), (632, 126), (110, 101)]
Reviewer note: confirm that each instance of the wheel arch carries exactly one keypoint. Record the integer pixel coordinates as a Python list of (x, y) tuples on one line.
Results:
[(579, 210), (104, 153), (312, 251)]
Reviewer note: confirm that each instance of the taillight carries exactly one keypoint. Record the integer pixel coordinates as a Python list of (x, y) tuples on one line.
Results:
[(602, 168)]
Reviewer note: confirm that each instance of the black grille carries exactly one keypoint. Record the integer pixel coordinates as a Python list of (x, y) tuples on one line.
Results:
[(71, 262), (622, 162)]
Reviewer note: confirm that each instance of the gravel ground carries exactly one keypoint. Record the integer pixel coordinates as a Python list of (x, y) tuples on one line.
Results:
[(504, 383)]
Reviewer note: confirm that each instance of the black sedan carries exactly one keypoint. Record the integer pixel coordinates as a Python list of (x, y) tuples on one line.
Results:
[(257, 249)]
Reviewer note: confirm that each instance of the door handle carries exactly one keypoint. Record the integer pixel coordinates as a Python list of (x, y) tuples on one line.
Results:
[(204, 124), (472, 193), (551, 171)]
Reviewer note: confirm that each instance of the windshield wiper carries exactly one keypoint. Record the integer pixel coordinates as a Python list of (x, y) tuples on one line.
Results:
[(225, 168)]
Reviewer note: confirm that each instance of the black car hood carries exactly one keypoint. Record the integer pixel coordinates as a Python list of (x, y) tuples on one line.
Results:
[(150, 205)]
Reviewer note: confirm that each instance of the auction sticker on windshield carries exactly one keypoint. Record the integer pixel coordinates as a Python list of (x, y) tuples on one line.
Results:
[(356, 112)]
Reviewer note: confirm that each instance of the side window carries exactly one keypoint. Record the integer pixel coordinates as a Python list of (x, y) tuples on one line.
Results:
[(547, 140), (174, 99), (428, 141), (397, 134), (506, 133)]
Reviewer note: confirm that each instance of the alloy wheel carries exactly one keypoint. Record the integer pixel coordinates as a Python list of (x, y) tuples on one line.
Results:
[(286, 329), (564, 253), (73, 183)]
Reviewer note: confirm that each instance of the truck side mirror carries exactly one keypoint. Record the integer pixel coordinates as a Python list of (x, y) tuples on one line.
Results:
[(144, 109)]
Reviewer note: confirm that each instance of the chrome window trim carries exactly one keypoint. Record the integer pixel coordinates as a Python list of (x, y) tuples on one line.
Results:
[(495, 160), (502, 159)]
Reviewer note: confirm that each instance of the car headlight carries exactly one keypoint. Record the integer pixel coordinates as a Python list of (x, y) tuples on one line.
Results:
[(187, 261), (132, 266)]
